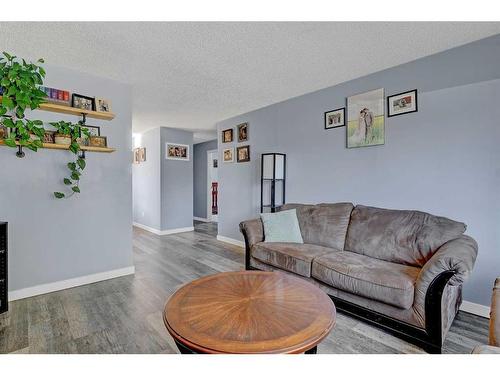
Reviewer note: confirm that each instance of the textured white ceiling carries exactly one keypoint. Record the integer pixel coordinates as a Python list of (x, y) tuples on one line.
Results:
[(191, 75)]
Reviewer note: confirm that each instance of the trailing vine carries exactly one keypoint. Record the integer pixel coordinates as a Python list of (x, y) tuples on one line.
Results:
[(76, 168)]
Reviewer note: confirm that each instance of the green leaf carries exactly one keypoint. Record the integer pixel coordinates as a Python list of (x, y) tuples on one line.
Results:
[(58, 195), (41, 61), (72, 166), (10, 142), (81, 163), (75, 176), (32, 147), (67, 181), (76, 189)]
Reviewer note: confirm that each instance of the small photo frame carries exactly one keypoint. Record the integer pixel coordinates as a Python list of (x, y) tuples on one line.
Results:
[(94, 131), (335, 118), (102, 105), (4, 132), (175, 151), (83, 102), (97, 141), (49, 136), (402, 103), (139, 155), (242, 130), (243, 154), (227, 136), (228, 155)]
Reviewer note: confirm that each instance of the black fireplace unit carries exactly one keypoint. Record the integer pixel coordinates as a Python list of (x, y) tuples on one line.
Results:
[(3, 268)]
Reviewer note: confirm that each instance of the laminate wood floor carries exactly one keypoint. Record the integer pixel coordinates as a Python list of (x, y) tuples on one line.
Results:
[(124, 315)]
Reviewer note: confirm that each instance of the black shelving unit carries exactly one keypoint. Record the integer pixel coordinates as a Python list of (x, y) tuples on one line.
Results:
[(4, 306), (273, 172)]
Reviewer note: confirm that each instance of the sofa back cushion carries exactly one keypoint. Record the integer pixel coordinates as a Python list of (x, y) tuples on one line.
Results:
[(323, 224), (399, 236)]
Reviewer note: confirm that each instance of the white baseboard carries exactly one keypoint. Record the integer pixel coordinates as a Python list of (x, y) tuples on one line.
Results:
[(69, 283), (205, 220), (163, 232), (232, 241), (476, 309)]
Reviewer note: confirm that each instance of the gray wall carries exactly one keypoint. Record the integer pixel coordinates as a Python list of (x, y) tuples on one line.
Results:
[(443, 159), (146, 182), (176, 182), (163, 188), (53, 240), (200, 177)]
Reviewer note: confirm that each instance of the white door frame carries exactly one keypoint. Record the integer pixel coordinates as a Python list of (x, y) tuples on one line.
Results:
[(210, 217)]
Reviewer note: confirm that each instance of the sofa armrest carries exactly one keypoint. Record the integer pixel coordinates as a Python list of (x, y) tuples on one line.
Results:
[(495, 315), (457, 256), (253, 231)]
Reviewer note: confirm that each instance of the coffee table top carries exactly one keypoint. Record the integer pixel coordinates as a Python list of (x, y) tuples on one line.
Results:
[(249, 312)]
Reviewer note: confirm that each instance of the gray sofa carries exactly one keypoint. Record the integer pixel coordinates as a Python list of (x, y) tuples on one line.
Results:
[(400, 270)]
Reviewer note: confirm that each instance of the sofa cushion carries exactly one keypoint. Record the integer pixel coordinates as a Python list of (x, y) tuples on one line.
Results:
[(323, 224), (406, 237), (368, 277), (281, 226), (292, 257)]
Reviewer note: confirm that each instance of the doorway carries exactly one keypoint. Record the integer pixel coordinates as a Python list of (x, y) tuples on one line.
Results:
[(212, 185)]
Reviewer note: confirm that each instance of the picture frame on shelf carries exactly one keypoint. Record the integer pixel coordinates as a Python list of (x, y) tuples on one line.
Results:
[(49, 136), (94, 131), (102, 105), (176, 151), (243, 154), (98, 141), (228, 155), (83, 102), (4, 131), (402, 103), (242, 130), (227, 136), (335, 118)]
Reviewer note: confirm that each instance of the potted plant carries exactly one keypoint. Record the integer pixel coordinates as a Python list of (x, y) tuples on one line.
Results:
[(19, 81)]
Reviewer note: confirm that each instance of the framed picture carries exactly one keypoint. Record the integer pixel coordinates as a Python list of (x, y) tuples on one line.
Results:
[(404, 102), (365, 119), (335, 118), (242, 132), (176, 151), (97, 141), (139, 155), (4, 131), (228, 155), (83, 102), (49, 136), (102, 105), (94, 131), (243, 154), (227, 136)]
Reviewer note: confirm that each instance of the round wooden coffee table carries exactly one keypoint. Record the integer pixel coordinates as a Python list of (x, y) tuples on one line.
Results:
[(249, 312)]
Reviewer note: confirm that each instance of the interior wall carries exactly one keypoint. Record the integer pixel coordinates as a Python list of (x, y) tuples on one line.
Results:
[(442, 159), (200, 177), (52, 240), (146, 182), (176, 182)]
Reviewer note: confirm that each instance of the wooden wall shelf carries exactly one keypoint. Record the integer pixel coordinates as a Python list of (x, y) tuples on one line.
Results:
[(51, 107), (54, 146)]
